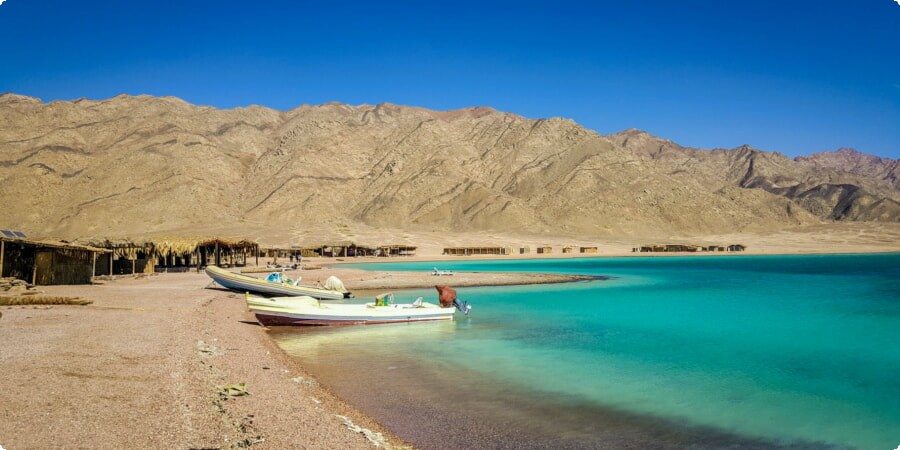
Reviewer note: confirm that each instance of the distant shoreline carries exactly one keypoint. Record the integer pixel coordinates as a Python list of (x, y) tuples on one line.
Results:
[(336, 262)]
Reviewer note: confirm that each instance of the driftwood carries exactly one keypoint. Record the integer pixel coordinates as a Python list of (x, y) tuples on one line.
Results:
[(43, 300)]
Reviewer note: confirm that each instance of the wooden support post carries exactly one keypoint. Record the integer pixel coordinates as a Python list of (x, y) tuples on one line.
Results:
[(257, 255), (93, 265), (110, 264), (34, 272), (133, 264), (2, 250), (217, 259)]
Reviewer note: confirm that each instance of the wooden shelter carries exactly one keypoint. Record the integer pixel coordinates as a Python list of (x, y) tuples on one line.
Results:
[(338, 249), (352, 249), (567, 249), (737, 248), (396, 250), (288, 253), (129, 256), (545, 250), (48, 262), (469, 251), (524, 250), (124, 257), (666, 248), (186, 252), (587, 249)]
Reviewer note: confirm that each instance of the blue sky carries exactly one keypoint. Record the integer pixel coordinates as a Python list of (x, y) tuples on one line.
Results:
[(793, 76)]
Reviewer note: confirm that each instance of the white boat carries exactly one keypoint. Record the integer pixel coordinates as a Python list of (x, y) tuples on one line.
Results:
[(309, 311), (244, 283)]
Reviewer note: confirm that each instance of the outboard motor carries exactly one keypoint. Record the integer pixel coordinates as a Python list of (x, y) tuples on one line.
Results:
[(462, 306)]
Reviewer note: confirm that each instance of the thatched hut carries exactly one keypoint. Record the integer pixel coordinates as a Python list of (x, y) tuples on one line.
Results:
[(174, 253), (48, 262), (396, 250), (587, 249), (338, 249), (125, 257), (545, 250), (288, 253), (351, 249), (737, 248)]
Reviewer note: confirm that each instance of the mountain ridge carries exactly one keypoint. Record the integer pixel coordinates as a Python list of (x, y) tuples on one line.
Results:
[(99, 167)]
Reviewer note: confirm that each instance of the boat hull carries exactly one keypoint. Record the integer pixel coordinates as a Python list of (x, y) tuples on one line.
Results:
[(244, 283), (308, 311), (280, 320)]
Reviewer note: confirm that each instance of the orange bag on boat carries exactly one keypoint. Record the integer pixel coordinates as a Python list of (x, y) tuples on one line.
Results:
[(446, 295)]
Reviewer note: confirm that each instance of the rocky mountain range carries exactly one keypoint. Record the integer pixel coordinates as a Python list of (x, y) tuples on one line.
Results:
[(129, 166)]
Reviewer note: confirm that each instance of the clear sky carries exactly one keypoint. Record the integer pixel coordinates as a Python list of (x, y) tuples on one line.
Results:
[(795, 76)]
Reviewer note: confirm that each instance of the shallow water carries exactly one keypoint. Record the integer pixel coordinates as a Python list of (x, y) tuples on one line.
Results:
[(702, 352)]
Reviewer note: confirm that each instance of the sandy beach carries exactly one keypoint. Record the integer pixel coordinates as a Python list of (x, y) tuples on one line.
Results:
[(152, 354), (143, 367)]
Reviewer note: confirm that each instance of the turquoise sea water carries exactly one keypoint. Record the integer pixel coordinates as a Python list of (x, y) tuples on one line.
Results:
[(704, 352)]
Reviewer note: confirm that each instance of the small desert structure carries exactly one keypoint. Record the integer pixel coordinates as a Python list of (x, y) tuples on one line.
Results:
[(396, 250), (666, 248), (172, 254), (587, 249), (337, 249), (544, 250), (481, 250), (567, 249), (45, 262), (524, 250), (286, 253), (352, 249)]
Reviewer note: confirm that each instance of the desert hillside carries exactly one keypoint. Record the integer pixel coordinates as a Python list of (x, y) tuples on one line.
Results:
[(129, 166)]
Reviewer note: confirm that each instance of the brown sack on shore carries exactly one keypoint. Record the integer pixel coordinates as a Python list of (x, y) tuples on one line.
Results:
[(446, 295)]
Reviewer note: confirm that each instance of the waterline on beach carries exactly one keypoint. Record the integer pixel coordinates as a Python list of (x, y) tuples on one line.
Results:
[(756, 351)]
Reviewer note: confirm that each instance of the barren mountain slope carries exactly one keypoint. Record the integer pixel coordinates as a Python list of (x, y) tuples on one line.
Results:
[(829, 188), (851, 161), (136, 165)]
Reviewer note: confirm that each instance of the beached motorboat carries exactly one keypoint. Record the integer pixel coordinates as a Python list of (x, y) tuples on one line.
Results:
[(309, 311), (277, 285)]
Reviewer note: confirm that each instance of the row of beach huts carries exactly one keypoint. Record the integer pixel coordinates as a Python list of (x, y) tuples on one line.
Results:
[(524, 250), (46, 262)]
